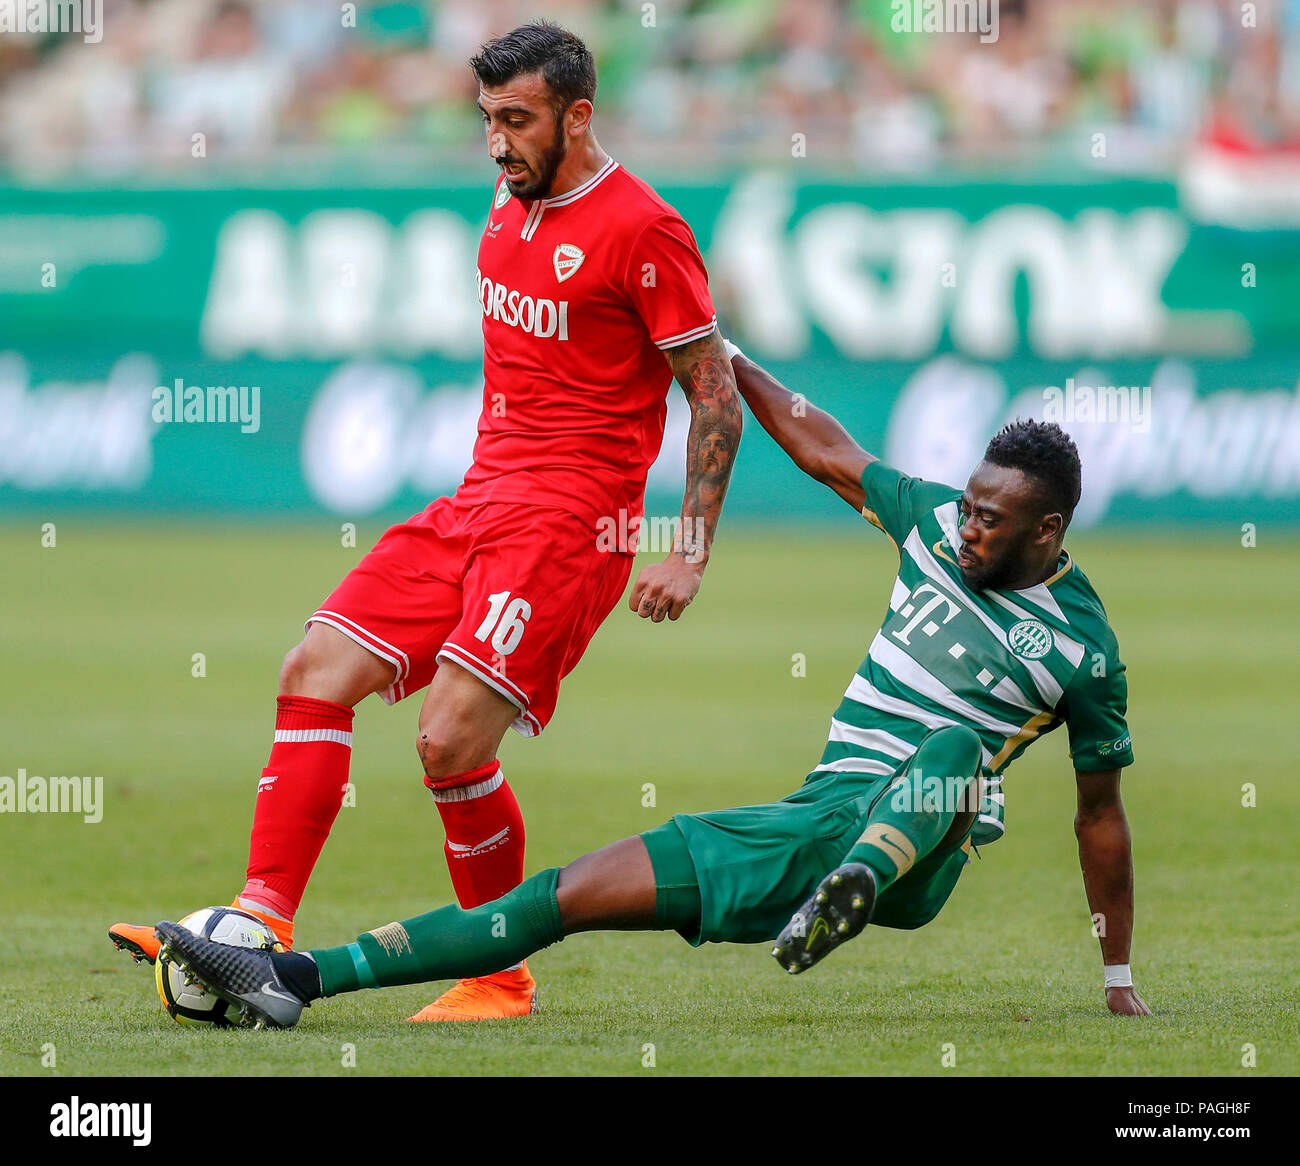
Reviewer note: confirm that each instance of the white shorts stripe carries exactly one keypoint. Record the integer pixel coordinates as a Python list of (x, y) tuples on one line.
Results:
[(367, 639), (525, 724), (506, 688)]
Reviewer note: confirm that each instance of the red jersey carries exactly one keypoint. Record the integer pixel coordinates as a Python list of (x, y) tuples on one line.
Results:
[(581, 294)]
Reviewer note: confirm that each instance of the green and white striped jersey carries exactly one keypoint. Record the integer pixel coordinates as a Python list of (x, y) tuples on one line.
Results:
[(1011, 665)]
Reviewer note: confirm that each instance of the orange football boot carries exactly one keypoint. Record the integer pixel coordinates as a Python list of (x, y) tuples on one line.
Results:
[(142, 944), (494, 997)]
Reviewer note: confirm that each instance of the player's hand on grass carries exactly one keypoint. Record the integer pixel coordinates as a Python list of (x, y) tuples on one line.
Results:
[(1126, 1002), (666, 589)]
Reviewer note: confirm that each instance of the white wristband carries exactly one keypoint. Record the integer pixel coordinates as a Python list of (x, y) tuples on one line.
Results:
[(733, 350), (1118, 976)]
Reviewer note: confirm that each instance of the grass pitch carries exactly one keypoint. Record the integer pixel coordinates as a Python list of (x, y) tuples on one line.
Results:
[(98, 637)]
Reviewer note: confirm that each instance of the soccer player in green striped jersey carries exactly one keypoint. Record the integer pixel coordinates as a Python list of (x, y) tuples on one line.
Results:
[(993, 637)]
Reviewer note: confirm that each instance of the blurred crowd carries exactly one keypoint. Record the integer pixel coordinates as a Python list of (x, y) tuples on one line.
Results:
[(685, 84)]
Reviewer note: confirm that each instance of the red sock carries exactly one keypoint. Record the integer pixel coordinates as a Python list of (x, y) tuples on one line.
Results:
[(298, 799), (485, 833)]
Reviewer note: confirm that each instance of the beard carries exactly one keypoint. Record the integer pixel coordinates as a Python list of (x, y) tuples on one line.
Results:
[(990, 576), (544, 172)]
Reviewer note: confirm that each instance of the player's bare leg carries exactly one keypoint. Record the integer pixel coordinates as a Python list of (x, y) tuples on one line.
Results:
[(322, 679), (612, 889), (462, 723), (327, 665)]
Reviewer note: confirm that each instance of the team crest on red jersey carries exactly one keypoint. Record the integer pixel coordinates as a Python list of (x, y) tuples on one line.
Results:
[(567, 260)]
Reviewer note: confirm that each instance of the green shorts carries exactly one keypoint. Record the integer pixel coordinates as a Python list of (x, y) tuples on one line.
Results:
[(757, 865)]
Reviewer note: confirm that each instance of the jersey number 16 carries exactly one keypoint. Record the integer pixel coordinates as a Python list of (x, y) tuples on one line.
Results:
[(507, 619)]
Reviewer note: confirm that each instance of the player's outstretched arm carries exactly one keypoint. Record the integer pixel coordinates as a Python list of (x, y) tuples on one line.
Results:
[(1106, 856), (817, 443), (705, 374)]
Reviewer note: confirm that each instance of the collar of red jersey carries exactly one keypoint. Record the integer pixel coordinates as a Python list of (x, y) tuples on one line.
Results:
[(578, 191)]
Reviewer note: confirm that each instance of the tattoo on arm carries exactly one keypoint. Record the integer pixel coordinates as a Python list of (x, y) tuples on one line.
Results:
[(705, 374)]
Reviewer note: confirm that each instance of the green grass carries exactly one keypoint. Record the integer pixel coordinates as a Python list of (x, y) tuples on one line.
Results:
[(96, 639)]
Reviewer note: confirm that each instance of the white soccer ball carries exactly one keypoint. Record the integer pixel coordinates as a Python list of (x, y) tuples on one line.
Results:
[(189, 1004)]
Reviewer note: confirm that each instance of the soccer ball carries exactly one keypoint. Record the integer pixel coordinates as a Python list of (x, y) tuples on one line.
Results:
[(189, 1004)]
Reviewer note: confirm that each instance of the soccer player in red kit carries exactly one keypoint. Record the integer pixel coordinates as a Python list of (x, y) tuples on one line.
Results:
[(594, 297)]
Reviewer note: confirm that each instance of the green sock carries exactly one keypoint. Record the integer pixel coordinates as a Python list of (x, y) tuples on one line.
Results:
[(916, 811), (448, 944)]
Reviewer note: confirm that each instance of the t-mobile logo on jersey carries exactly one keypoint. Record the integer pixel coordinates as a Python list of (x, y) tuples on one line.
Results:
[(534, 314), (915, 616)]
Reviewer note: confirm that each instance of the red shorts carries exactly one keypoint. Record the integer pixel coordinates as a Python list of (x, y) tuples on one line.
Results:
[(511, 593)]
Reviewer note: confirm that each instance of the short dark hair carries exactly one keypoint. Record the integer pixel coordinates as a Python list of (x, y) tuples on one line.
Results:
[(1043, 451), (540, 46)]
